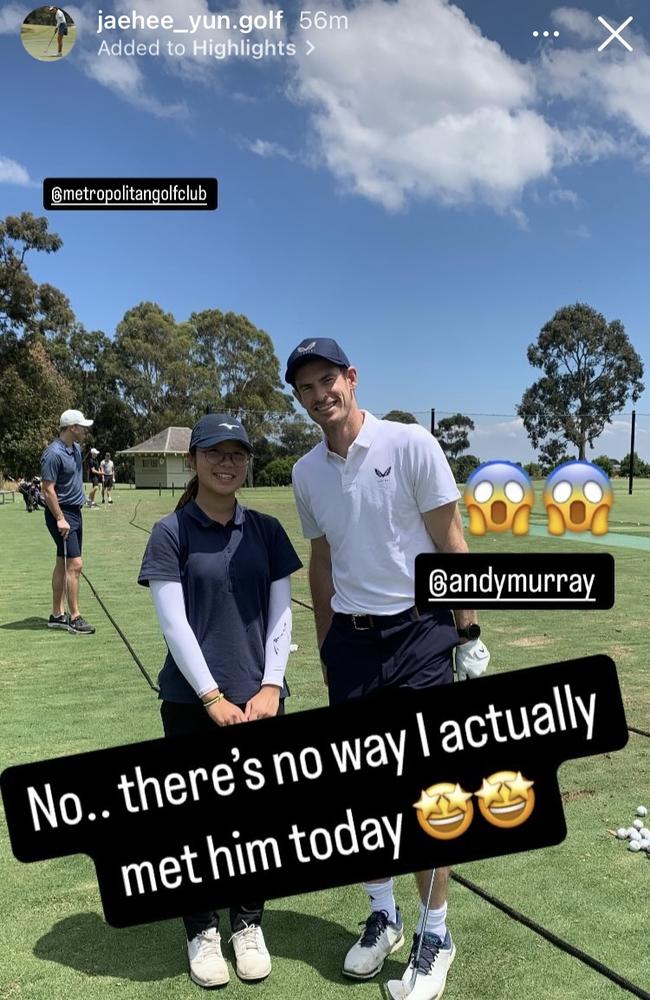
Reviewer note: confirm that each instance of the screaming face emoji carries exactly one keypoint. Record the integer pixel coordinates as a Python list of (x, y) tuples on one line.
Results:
[(506, 799), (444, 810), (498, 497), (577, 497)]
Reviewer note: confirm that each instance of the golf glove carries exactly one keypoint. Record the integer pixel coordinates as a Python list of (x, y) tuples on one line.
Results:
[(472, 660)]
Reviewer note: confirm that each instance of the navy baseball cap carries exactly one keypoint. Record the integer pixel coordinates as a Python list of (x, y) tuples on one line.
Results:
[(321, 347), (214, 428)]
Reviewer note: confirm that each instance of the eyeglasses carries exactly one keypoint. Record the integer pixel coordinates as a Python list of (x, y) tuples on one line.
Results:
[(215, 457)]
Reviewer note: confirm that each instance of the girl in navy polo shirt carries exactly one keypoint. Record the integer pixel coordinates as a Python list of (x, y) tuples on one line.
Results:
[(220, 579)]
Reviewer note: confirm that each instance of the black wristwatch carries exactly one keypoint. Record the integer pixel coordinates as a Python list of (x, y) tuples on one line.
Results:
[(471, 632)]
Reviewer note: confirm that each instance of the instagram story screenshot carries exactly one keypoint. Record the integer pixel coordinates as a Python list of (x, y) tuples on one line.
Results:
[(325, 499)]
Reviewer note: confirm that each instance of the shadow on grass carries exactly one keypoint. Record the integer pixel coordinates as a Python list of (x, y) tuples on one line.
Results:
[(154, 952), (26, 623)]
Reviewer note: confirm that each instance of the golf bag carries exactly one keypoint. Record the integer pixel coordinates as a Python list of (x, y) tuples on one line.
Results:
[(31, 494)]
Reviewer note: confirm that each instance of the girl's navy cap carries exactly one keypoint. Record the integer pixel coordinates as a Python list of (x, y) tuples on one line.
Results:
[(214, 428)]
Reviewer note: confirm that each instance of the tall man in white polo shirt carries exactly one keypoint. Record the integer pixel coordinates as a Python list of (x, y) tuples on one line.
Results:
[(371, 496)]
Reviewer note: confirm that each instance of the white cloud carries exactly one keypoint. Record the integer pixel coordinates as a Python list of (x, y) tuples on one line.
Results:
[(261, 147), (615, 440), (412, 100), (614, 82), (14, 173), (563, 196), (501, 439), (11, 18), (125, 78), (124, 75), (577, 22), (586, 144), (201, 67), (507, 439), (85, 19)]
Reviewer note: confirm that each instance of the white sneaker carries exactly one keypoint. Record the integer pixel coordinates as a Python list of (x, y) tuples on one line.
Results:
[(379, 939), (207, 964), (251, 954), (433, 965)]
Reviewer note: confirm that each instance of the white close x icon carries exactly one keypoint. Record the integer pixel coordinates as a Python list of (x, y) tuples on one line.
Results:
[(615, 33)]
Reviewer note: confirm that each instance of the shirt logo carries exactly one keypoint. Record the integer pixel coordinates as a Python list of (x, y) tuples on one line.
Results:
[(382, 475), (229, 426), (309, 347)]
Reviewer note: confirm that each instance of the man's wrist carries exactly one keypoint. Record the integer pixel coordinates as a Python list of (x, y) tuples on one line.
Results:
[(469, 632)]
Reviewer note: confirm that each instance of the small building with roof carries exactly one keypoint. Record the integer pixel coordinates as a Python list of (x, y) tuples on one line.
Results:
[(161, 460)]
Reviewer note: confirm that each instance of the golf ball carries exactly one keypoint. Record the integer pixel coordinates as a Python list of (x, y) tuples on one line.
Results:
[(645, 843), (645, 832), (641, 811), (621, 833), (638, 823), (634, 845), (633, 834)]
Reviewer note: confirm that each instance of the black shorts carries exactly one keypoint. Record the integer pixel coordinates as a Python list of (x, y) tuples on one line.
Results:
[(181, 719), (363, 663), (108, 482), (95, 480), (184, 719), (74, 539)]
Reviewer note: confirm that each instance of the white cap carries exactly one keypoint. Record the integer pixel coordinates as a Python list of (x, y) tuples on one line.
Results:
[(70, 417), (93, 451)]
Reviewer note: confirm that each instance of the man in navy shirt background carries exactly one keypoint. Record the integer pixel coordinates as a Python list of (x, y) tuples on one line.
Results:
[(63, 489)]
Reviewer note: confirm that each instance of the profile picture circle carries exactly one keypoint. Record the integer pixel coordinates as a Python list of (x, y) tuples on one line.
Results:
[(48, 33)]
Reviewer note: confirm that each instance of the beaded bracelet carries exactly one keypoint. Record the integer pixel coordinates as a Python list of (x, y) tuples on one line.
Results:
[(213, 701)]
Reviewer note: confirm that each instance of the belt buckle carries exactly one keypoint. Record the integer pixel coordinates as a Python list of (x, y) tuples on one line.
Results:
[(359, 628)]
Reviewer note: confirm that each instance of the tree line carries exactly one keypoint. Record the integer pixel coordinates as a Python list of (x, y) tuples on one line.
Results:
[(43, 15), (153, 373), (156, 372), (589, 371)]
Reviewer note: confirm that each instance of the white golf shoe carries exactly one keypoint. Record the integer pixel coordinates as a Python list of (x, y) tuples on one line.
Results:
[(433, 965), (251, 954), (207, 965), (379, 939)]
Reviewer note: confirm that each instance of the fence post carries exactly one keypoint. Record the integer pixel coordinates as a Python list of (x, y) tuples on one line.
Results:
[(159, 489), (172, 489), (631, 480)]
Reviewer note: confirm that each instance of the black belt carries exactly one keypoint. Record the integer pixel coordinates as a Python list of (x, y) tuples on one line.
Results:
[(363, 623)]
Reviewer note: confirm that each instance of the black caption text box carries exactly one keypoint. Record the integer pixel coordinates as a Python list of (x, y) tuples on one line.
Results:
[(130, 194), (289, 787), (508, 581)]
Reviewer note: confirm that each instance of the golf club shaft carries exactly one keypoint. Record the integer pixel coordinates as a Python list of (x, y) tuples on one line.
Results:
[(51, 39), (418, 950), (65, 575)]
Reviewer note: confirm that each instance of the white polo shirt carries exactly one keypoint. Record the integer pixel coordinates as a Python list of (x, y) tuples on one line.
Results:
[(369, 507)]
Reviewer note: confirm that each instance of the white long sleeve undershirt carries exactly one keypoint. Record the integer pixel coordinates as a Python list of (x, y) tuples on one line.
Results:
[(183, 645)]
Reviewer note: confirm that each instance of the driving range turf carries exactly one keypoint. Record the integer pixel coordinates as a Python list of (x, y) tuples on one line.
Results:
[(64, 694), (41, 42)]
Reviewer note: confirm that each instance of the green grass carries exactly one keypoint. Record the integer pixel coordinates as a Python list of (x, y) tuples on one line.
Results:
[(35, 38), (63, 694), (629, 514)]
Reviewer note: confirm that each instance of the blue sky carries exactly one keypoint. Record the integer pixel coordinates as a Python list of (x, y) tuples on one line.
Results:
[(427, 186)]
